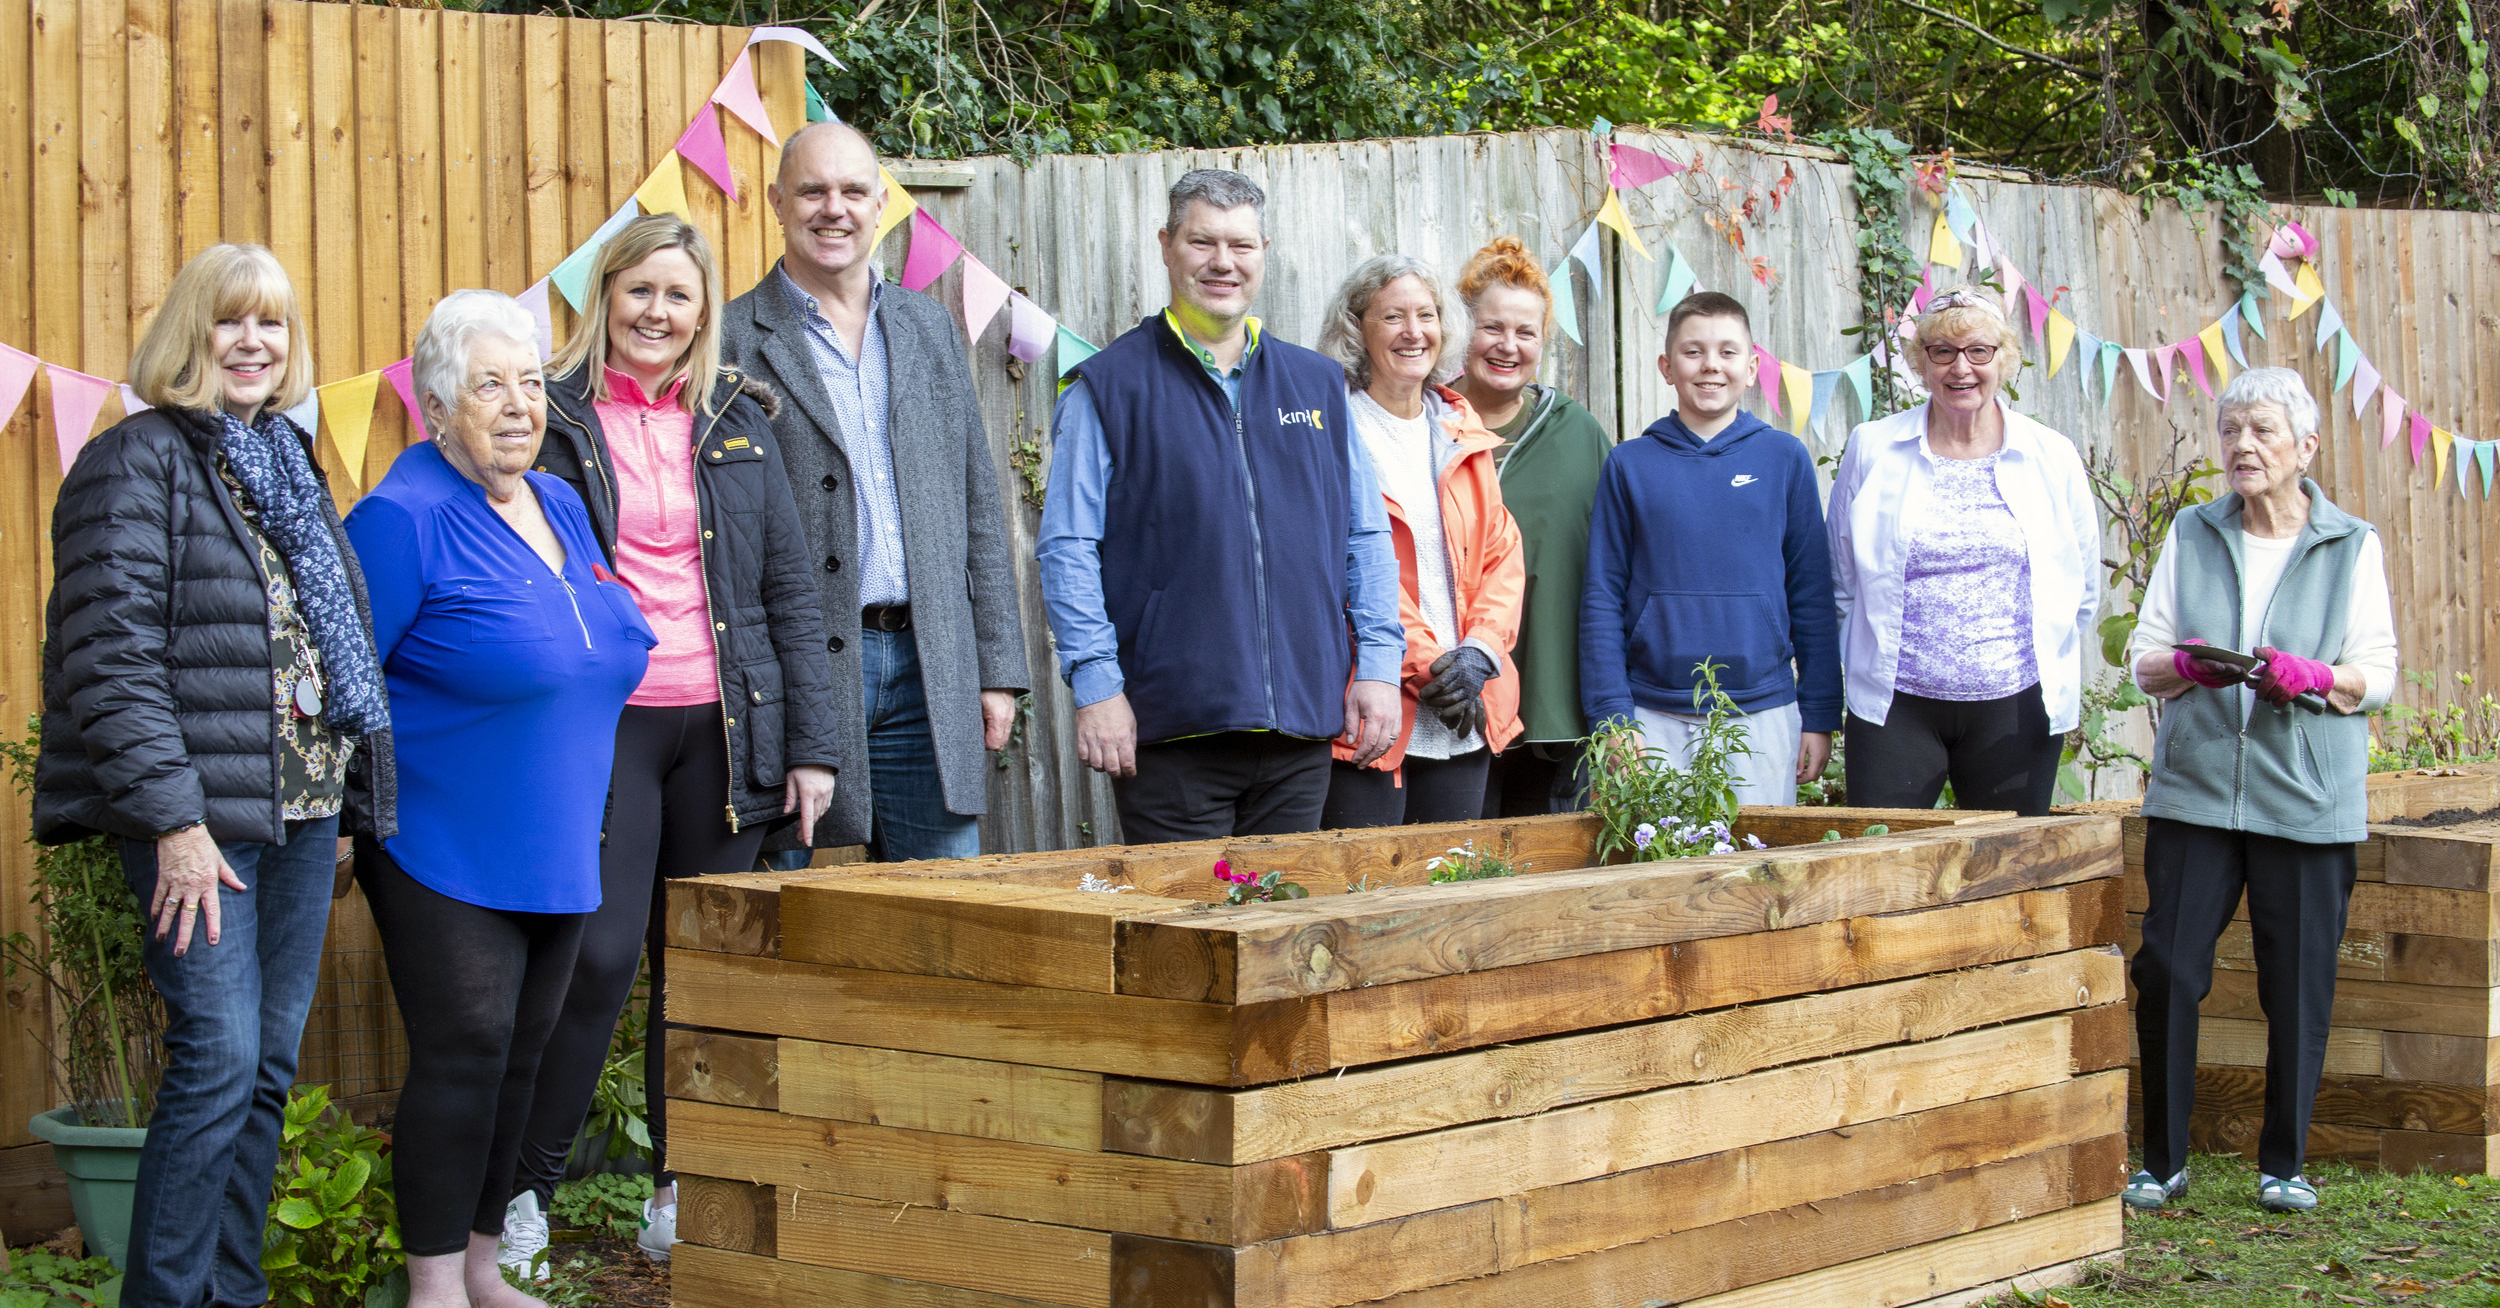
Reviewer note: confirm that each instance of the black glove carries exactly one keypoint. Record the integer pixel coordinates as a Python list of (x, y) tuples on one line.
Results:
[(1456, 691)]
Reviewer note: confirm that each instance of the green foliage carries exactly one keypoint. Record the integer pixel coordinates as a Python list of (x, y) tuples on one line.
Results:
[(1650, 808), (88, 953), (38, 1278), (620, 1104), (1364, 883), (2093, 744), (2142, 514), (573, 1283), (1630, 63), (2466, 729), (333, 1234), (1879, 165), (607, 1202), (1465, 862), (1256, 888)]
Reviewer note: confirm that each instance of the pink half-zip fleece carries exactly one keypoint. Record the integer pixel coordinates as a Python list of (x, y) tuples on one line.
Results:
[(659, 549)]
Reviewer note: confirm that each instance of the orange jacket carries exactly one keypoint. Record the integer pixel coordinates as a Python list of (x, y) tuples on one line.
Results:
[(1489, 576)]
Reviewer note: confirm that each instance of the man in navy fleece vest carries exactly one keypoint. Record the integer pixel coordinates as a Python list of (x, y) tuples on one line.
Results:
[(1215, 556)]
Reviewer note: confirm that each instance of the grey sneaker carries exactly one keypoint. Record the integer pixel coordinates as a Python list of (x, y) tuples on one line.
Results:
[(659, 1230), (2286, 1195), (2147, 1193), (524, 1238)]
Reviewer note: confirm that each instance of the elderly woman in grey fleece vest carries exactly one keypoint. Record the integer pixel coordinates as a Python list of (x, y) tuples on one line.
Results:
[(2255, 786)]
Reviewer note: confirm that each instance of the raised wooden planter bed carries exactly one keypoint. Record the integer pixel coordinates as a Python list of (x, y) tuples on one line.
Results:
[(1879, 1070), (2413, 1056)]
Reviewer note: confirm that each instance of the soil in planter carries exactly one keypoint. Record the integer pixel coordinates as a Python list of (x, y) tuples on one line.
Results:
[(2447, 817), (603, 1271)]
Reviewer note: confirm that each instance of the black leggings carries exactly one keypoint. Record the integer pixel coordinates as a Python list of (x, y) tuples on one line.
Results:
[(478, 992), (1999, 754), (665, 816), (1436, 790)]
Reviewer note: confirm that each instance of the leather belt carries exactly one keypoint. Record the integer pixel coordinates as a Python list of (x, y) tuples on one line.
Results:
[(885, 617)]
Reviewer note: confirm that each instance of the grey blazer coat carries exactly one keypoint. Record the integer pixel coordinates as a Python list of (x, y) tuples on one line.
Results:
[(964, 610)]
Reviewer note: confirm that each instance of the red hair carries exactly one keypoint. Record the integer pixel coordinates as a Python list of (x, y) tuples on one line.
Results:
[(1505, 262)]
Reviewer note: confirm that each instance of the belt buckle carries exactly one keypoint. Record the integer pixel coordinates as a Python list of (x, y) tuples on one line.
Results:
[(891, 617)]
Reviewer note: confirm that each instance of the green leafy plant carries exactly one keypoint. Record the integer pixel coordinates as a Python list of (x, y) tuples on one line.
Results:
[(39, 1278), (2466, 729), (620, 1104), (1256, 888), (2142, 513), (1465, 862), (1650, 808), (1364, 883), (2094, 743), (109, 1050), (1879, 177), (609, 1203), (333, 1234)]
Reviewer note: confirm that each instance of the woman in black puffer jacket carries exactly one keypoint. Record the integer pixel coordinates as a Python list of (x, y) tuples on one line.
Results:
[(209, 681), (732, 728)]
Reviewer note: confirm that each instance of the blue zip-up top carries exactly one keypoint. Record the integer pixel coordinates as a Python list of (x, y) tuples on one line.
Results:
[(506, 680), (1210, 538)]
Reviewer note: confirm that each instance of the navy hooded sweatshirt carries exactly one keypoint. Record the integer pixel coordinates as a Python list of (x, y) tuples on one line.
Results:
[(1709, 550)]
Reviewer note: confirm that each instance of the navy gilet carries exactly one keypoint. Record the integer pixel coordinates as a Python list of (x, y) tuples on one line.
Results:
[(1224, 536)]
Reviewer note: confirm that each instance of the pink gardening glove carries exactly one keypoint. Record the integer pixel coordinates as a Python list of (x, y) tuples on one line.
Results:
[(2212, 676), (2289, 675)]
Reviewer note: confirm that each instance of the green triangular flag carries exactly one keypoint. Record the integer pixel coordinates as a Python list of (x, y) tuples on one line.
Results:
[(2110, 350), (1566, 309), (1861, 375), (1073, 349), (2347, 358), (817, 110), (1675, 281), (2248, 310), (2483, 456)]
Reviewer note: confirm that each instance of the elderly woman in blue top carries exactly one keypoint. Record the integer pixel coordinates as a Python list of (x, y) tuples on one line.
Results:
[(2251, 790), (510, 651)]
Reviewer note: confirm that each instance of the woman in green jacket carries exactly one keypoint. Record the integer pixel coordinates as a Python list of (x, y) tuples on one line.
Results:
[(1551, 452)]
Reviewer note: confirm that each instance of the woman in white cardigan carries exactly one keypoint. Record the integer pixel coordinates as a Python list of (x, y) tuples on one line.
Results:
[(1966, 561)]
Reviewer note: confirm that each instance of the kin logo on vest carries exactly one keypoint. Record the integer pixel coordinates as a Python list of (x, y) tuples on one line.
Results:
[(1310, 416)]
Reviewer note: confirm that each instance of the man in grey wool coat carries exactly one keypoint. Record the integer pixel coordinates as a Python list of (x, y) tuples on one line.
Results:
[(891, 467)]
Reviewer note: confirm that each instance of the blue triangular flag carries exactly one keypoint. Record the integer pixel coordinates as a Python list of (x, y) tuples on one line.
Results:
[(2483, 456), (1592, 258), (1824, 384), (1566, 309), (2231, 340), (2329, 323), (1961, 217)]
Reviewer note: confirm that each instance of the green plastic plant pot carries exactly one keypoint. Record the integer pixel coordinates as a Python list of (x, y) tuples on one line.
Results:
[(103, 1167)]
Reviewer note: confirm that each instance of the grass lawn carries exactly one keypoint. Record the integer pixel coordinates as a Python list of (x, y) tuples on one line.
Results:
[(2374, 1239)]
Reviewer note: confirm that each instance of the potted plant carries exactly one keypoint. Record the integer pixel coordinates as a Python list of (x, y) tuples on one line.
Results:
[(108, 1023)]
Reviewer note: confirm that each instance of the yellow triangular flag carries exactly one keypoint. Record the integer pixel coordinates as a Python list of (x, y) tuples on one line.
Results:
[(1611, 214), (664, 191), (2061, 339), (347, 410), (2217, 359), (1943, 246), (898, 206), (2439, 456), (2311, 289), (1797, 392)]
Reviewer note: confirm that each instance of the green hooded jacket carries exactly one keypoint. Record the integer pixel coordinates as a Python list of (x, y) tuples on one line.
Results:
[(1549, 482)]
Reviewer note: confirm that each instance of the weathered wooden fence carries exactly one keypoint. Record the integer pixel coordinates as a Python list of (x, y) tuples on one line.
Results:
[(389, 156)]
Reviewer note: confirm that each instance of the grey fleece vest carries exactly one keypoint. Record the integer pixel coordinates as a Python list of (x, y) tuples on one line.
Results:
[(2288, 772)]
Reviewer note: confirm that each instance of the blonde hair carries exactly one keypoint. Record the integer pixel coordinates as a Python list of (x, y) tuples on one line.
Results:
[(633, 243), (174, 367), (1968, 311)]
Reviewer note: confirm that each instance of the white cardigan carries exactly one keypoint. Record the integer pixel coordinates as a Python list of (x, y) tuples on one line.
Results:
[(1886, 485)]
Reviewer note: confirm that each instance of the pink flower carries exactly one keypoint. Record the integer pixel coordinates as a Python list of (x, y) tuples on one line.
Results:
[(1224, 872)]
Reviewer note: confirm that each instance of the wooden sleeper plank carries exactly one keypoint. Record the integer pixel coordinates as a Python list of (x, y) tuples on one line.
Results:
[(934, 1092)]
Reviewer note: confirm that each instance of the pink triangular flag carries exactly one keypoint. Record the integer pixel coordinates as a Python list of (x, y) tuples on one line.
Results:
[(1633, 166), (2391, 413), (131, 403), (1030, 328), (1926, 291), (2193, 352), (2039, 313), (933, 250), (403, 380), (2364, 384), (703, 146), (985, 293), (2161, 358), (2011, 278), (17, 373), (1767, 375), (736, 93), (76, 399), (535, 300), (2421, 435)]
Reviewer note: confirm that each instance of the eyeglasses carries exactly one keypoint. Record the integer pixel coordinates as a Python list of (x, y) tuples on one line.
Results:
[(1943, 355), (491, 390)]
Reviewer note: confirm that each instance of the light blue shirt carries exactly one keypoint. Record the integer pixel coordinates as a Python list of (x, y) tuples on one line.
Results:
[(1070, 553), (857, 388)]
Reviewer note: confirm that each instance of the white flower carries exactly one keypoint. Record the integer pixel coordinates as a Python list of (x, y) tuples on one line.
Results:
[(1723, 847), (1755, 841), (1642, 835), (1100, 884)]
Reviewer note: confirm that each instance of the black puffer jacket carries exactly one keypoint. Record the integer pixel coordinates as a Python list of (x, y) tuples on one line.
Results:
[(768, 632), (156, 660)]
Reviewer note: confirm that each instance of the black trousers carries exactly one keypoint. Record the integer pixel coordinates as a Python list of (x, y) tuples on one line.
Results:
[(2297, 897), (478, 990), (1530, 780), (666, 798), (1999, 754), (1233, 783), (1435, 790)]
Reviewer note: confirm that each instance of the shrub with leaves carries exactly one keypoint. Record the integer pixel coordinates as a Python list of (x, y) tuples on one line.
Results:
[(333, 1235), (1651, 809), (1467, 863), (609, 1203), (1256, 888), (39, 1278)]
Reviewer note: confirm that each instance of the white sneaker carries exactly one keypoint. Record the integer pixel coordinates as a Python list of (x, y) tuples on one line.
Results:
[(659, 1230), (524, 1238)]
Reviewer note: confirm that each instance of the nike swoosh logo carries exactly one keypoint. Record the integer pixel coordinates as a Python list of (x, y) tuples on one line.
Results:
[(1742, 479)]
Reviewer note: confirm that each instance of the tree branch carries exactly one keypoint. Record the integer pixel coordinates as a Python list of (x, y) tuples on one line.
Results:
[(1999, 42)]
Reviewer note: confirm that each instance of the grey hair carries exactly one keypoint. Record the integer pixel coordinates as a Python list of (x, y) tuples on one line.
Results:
[(1217, 188), (2272, 386), (1342, 338), (458, 322)]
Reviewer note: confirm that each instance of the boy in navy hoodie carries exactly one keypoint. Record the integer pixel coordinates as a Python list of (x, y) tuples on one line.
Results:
[(1707, 543)]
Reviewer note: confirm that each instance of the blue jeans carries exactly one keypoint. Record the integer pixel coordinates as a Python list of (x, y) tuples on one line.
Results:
[(234, 1015), (910, 819)]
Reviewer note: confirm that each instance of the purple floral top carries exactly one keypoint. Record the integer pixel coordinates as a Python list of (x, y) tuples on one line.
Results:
[(1966, 611)]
